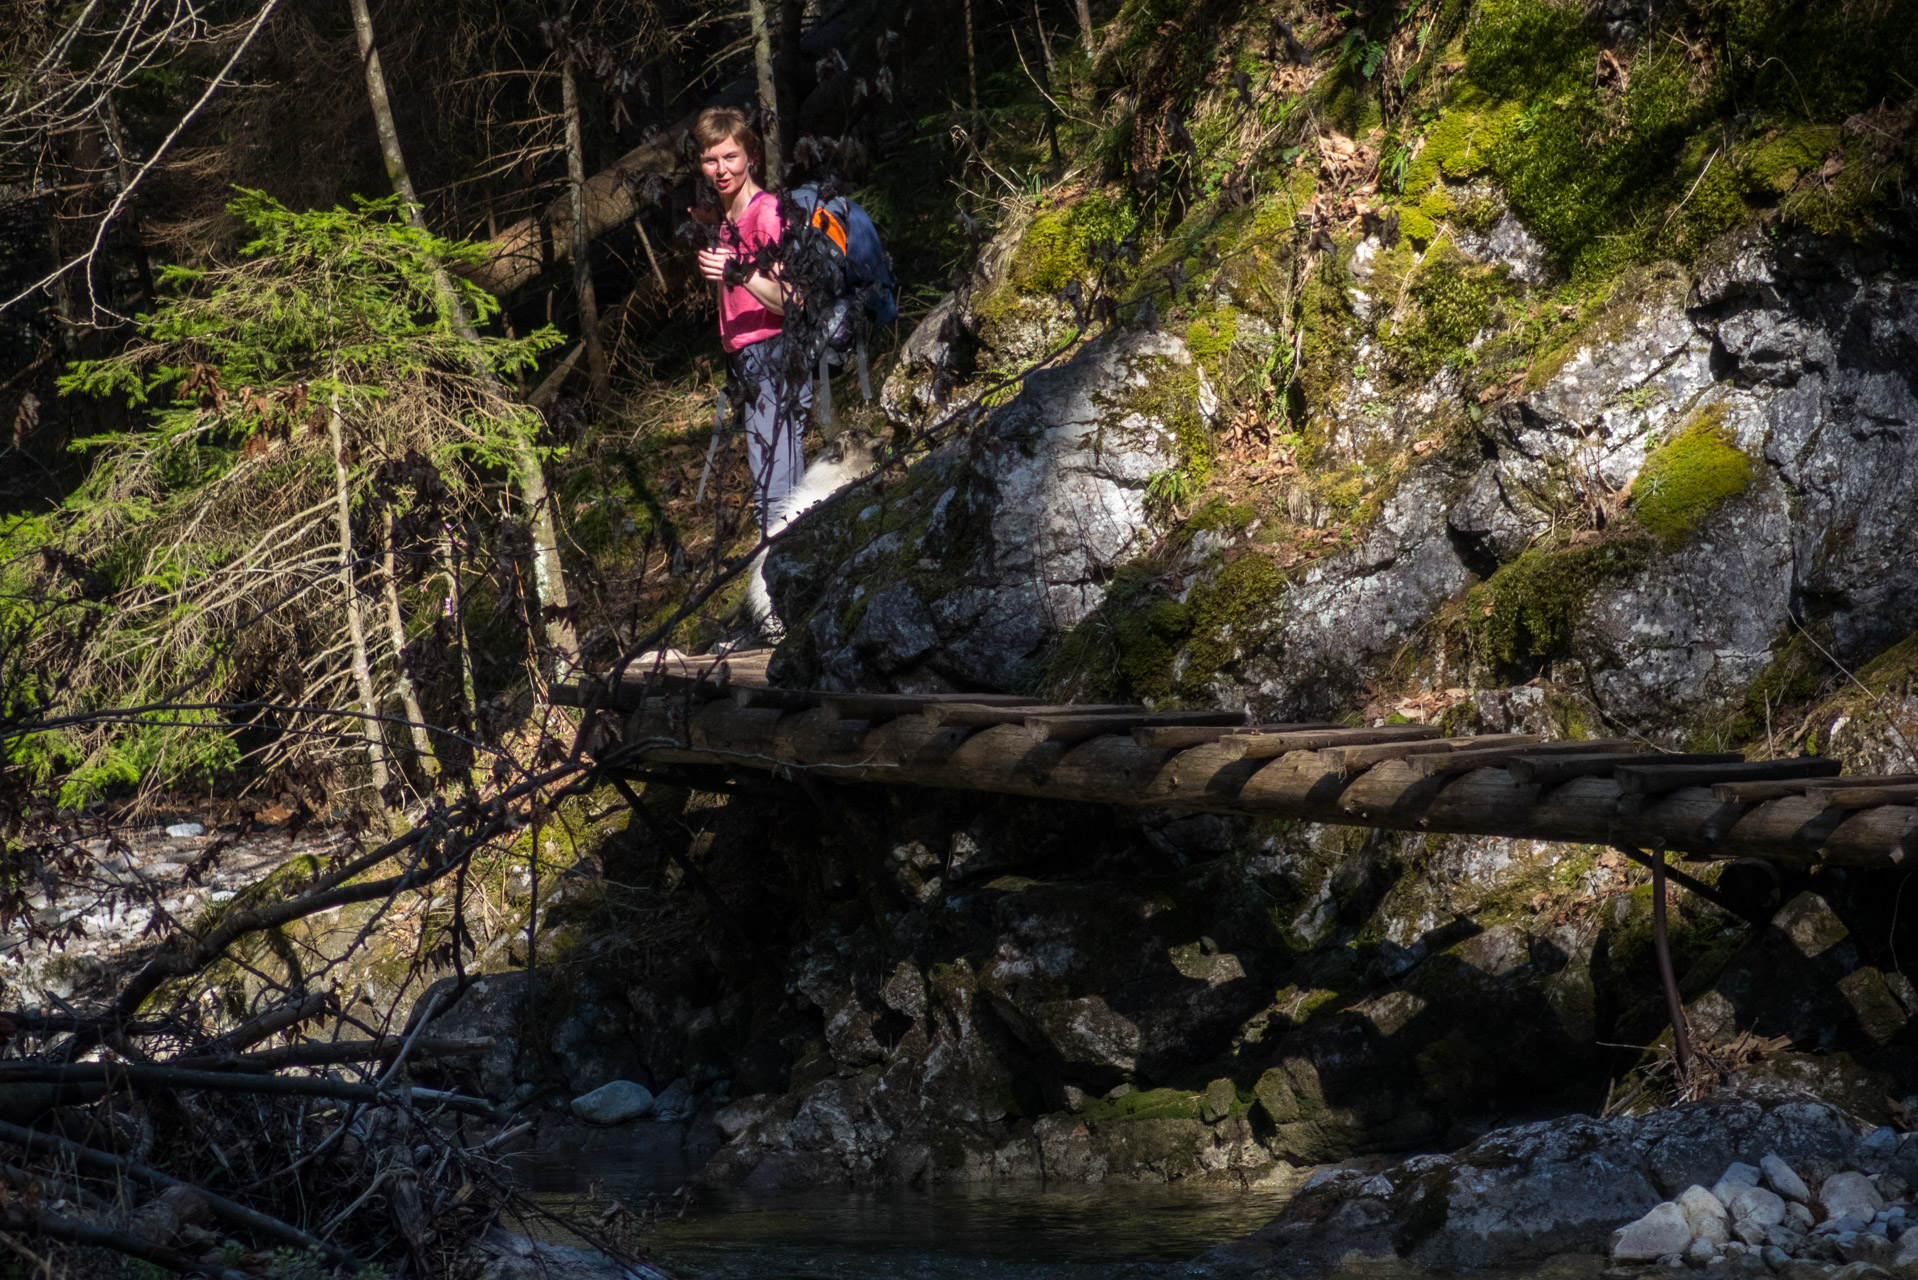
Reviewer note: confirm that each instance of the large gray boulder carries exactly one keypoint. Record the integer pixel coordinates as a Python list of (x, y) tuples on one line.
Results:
[(962, 574)]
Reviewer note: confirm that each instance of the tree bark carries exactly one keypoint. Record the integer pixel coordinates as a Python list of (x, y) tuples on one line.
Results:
[(549, 576), (350, 600), (1085, 25), (768, 90), (396, 627), (972, 61), (582, 260), (532, 244), (792, 13)]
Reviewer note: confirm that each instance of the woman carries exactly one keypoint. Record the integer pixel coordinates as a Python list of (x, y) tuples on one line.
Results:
[(751, 315)]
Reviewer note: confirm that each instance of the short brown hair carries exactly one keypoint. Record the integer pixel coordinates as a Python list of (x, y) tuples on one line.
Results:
[(728, 124)]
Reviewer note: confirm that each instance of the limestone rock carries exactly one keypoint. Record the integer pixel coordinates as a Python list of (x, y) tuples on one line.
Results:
[(1783, 1179), (1708, 1218), (1661, 1231), (963, 573), (615, 1103), (1522, 1194), (1737, 1177), (1850, 1195), (1758, 1207), (675, 1101), (1217, 1102), (1876, 1150)]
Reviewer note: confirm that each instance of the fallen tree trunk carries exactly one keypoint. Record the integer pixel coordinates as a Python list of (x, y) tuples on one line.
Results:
[(529, 246)]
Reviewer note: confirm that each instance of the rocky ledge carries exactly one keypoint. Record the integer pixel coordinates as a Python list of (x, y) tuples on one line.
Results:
[(1739, 1185)]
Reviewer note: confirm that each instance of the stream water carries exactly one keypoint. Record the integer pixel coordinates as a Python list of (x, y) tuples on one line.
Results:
[(1119, 1232)]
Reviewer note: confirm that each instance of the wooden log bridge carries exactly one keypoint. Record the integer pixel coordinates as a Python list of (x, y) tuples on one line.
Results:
[(1797, 812)]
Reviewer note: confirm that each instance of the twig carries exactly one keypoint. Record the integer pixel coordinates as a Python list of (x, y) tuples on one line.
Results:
[(119, 1074), (73, 1231), (228, 1209)]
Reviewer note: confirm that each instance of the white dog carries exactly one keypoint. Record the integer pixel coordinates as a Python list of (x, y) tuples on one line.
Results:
[(837, 465)]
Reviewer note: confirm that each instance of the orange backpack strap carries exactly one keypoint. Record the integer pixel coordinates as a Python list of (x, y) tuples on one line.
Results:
[(823, 219)]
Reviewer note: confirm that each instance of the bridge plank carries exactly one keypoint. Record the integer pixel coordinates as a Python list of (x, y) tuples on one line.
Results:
[(1357, 759), (1550, 770), (1754, 792), (978, 715), (888, 706), (1265, 744), (1658, 777), (1079, 727), (1179, 736), (1476, 756), (1865, 797)]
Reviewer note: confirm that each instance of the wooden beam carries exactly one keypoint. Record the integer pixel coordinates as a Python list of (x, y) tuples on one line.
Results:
[(1357, 759), (1550, 770), (1263, 744), (889, 706), (1476, 756), (980, 715), (1656, 778), (758, 695), (1174, 737), (1079, 727), (1755, 792), (1865, 797)]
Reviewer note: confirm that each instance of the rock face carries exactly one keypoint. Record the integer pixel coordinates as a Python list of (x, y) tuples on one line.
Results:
[(1560, 1186), (1785, 367), (992, 547)]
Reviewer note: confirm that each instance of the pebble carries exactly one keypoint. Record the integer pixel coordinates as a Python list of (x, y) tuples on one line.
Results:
[(1850, 1195), (1708, 1217), (1737, 1176), (1775, 1258), (1875, 1149), (185, 831), (1782, 1179), (1699, 1252), (1661, 1233), (1757, 1206)]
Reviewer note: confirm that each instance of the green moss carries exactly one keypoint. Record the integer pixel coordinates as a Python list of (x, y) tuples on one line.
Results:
[(1222, 515), (1416, 225), (1527, 610), (1210, 337), (1684, 480), (1776, 164), (1458, 147), (1219, 612), (1449, 301), (1146, 1104)]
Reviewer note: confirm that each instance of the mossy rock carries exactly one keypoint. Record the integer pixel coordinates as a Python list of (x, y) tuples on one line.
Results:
[(1528, 609), (1685, 479)]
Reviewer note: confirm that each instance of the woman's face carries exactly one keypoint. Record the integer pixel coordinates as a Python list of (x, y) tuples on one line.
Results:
[(727, 166)]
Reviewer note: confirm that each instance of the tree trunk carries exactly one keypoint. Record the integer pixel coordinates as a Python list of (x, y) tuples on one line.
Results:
[(786, 70), (582, 260), (532, 244), (350, 600), (468, 687), (768, 90), (972, 61), (396, 626), (549, 577), (1045, 44), (1085, 25)]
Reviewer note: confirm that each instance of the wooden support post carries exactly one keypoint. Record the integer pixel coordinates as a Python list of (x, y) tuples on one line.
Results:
[(1661, 943)]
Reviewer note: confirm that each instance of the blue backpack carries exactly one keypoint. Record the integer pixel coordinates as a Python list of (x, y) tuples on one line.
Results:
[(868, 283)]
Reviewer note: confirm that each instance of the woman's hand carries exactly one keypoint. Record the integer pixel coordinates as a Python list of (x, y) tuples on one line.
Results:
[(712, 264)]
